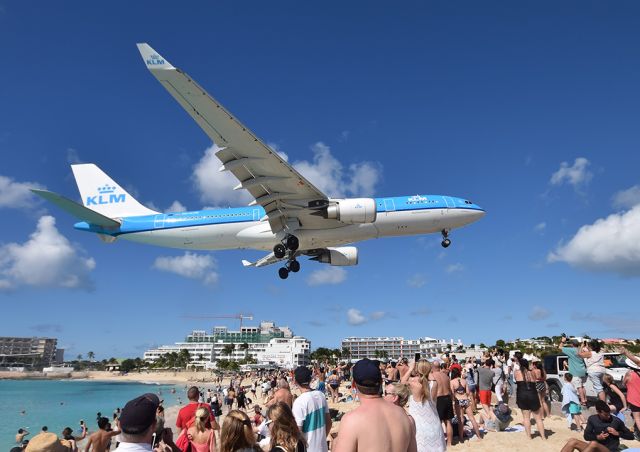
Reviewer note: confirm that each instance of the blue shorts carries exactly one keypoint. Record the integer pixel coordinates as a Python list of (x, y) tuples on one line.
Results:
[(574, 408)]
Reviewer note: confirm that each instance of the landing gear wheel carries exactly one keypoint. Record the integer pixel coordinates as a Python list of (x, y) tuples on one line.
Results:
[(292, 243), (283, 273), (445, 243), (294, 266), (279, 251)]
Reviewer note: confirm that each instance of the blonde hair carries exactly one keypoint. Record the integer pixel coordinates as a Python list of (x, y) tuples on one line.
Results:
[(202, 416), (403, 392), (423, 368), (284, 429), (236, 432)]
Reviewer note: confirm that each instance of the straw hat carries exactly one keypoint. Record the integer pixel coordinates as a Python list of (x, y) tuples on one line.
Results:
[(45, 442)]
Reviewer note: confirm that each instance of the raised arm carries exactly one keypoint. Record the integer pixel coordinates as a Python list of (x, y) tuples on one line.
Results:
[(407, 374)]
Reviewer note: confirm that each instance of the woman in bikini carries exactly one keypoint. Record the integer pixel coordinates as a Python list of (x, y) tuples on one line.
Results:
[(462, 403), (541, 386), (202, 439), (527, 398)]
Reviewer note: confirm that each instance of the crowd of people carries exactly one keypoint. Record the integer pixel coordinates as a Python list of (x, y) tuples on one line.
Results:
[(403, 405)]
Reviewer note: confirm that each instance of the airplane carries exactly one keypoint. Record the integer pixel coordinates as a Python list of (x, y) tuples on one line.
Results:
[(289, 216)]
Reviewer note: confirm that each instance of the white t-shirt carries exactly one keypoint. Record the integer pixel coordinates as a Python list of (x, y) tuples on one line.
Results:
[(309, 410)]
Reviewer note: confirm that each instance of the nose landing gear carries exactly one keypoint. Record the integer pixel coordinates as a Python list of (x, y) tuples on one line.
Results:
[(445, 238)]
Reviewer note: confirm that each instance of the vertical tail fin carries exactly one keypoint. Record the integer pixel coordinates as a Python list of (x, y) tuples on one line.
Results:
[(101, 193)]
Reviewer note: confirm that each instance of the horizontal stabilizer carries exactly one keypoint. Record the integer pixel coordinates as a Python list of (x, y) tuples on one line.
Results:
[(267, 260), (77, 210)]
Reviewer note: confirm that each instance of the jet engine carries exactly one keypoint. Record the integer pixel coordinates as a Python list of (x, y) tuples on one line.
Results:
[(352, 211), (341, 256)]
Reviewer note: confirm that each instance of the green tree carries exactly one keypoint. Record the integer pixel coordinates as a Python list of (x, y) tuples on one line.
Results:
[(227, 350), (500, 343), (244, 346), (127, 365), (91, 355), (79, 357), (346, 353)]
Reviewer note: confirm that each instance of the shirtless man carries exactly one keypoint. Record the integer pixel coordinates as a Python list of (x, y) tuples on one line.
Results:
[(282, 394), (21, 434), (402, 367), (392, 372), (99, 441), (375, 425), (444, 400)]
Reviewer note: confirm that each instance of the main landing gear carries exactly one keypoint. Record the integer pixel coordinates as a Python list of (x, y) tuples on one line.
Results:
[(445, 238), (290, 244)]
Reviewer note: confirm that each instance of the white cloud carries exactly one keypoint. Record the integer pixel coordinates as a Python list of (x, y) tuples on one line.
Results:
[(539, 313), (216, 187), (16, 195), (328, 275), (176, 207), (626, 199), (417, 280), (190, 265), (453, 268), (610, 244), (540, 227), (377, 315), (324, 171), (577, 175), (47, 259), (327, 173), (355, 317)]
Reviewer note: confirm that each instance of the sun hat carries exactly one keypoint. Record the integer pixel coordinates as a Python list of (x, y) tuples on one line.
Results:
[(45, 442), (631, 364)]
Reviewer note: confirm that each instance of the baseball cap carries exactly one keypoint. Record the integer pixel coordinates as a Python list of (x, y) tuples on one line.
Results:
[(138, 414), (302, 375), (367, 373)]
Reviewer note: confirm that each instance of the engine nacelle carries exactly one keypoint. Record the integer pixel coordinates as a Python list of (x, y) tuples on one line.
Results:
[(353, 211), (341, 256)]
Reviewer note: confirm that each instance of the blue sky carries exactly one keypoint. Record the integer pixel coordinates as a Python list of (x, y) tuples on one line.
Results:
[(529, 110)]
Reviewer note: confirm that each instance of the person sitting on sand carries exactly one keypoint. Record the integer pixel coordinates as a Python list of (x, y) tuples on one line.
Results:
[(498, 419), (375, 425), (603, 432), (100, 440)]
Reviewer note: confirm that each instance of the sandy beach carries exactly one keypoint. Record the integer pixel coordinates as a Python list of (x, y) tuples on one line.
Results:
[(556, 427)]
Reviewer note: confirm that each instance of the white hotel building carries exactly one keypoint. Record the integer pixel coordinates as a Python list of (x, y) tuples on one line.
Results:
[(266, 344), (394, 347)]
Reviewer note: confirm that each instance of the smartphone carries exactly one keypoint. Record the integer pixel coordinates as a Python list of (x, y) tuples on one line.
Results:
[(416, 357)]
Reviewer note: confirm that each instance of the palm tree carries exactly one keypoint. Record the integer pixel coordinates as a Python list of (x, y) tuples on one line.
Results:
[(227, 350), (79, 357), (91, 355), (244, 346)]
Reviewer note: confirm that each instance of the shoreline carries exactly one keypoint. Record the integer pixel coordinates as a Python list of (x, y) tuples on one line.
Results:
[(161, 377)]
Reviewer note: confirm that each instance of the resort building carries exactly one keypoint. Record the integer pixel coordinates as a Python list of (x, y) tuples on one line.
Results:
[(394, 347), (27, 351), (249, 343)]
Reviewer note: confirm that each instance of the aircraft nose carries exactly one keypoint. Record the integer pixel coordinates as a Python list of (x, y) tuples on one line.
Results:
[(476, 214)]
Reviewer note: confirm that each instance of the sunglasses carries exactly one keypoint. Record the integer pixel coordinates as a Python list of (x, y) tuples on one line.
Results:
[(389, 393)]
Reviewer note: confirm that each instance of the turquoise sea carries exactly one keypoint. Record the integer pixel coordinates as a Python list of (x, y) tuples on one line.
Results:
[(63, 403)]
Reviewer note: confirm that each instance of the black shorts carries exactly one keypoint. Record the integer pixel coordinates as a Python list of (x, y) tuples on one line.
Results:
[(633, 408), (445, 408)]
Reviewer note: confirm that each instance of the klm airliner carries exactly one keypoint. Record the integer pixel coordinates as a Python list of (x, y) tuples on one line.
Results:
[(289, 217)]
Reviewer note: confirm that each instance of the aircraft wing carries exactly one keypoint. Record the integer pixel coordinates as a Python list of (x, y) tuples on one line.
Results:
[(287, 197)]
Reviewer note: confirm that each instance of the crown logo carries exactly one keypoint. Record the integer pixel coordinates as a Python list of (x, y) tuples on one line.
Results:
[(106, 189), (155, 56)]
